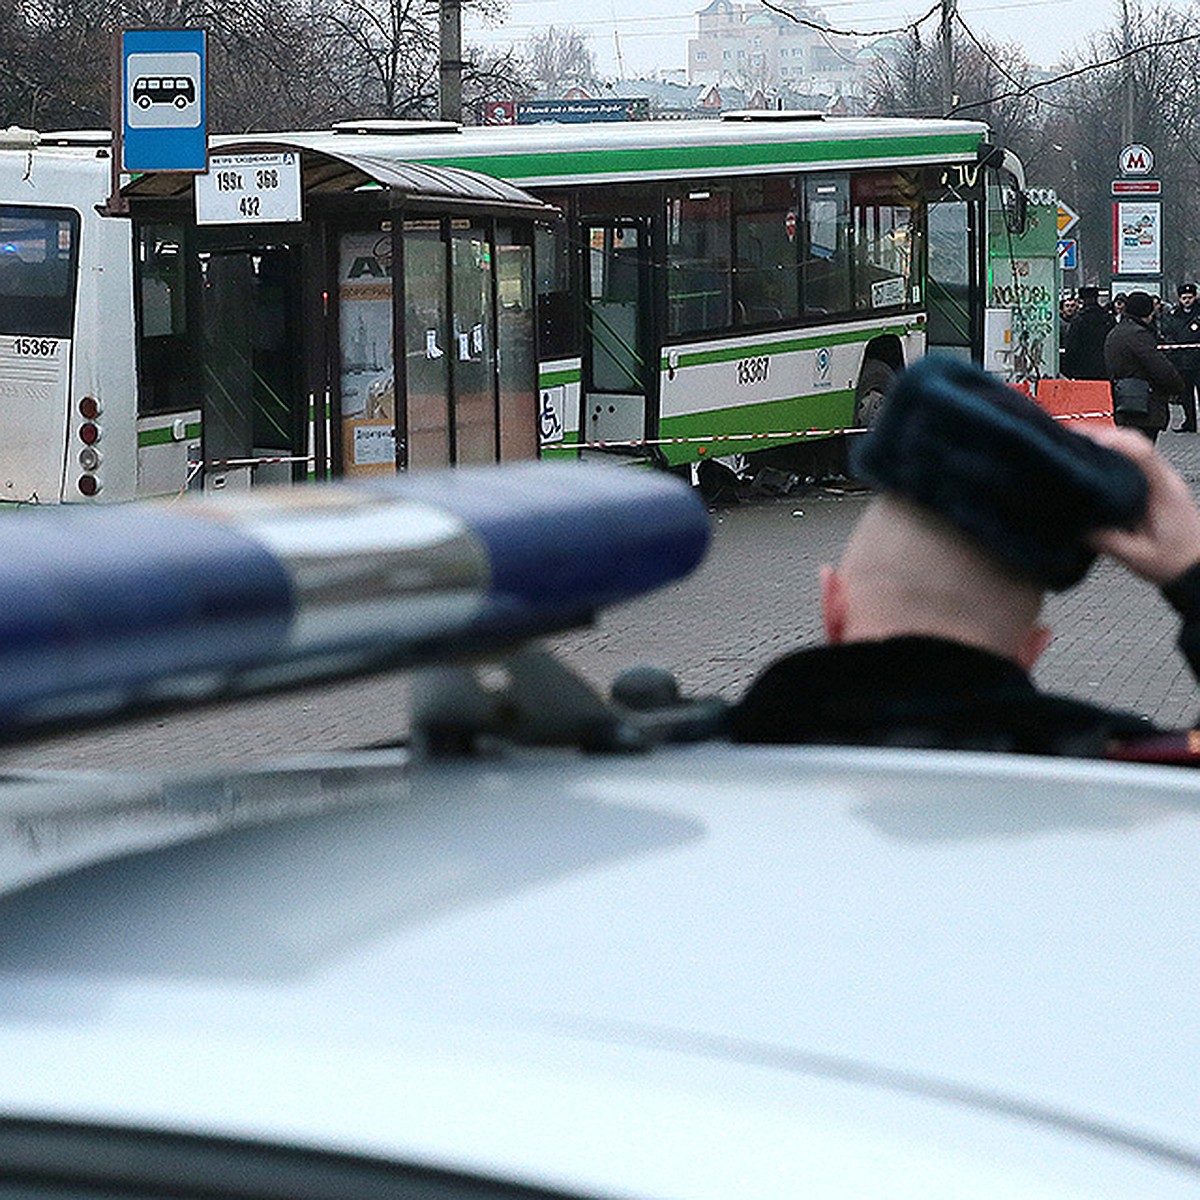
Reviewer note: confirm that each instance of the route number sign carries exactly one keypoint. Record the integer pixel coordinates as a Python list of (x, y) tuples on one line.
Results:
[(248, 189)]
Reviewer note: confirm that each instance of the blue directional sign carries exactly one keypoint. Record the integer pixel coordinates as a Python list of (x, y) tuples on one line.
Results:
[(1068, 253), (163, 101)]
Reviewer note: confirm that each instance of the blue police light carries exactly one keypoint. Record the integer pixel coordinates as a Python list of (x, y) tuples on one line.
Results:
[(108, 609)]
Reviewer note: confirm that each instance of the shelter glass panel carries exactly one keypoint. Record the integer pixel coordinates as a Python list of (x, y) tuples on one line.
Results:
[(426, 338), (164, 350), (517, 368), (473, 347)]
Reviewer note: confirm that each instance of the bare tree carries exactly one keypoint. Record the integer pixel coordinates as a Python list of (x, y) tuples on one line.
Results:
[(1135, 83), (558, 59)]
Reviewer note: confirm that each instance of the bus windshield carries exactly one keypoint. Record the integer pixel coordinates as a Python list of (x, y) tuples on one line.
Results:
[(37, 271)]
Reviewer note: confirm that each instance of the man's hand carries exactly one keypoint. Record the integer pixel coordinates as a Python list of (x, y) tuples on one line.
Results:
[(1167, 541)]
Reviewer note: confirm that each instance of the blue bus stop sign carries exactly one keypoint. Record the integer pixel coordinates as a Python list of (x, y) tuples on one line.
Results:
[(163, 101)]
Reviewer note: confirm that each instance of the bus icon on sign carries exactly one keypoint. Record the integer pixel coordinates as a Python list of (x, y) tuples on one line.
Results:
[(164, 91), (155, 89)]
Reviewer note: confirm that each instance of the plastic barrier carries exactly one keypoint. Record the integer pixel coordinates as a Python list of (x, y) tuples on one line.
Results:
[(1086, 400)]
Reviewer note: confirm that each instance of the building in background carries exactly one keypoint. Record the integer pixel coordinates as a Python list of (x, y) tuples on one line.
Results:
[(758, 48)]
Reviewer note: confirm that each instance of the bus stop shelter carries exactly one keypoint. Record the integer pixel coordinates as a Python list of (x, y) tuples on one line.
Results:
[(390, 327)]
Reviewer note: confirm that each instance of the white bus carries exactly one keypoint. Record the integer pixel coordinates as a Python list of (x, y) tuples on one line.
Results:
[(698, 289)]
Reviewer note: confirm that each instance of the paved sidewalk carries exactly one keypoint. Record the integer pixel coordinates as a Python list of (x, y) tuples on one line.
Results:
[(1115, 636)]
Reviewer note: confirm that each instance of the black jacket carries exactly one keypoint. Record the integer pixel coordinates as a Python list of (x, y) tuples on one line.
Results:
[(939, 694), (1131, 351), (1083, 343)]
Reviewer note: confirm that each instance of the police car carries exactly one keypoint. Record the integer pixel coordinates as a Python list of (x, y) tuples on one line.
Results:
[(562, 945)]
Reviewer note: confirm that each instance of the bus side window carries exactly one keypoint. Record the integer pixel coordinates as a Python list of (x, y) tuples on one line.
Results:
[(557, 336), (825, 258)]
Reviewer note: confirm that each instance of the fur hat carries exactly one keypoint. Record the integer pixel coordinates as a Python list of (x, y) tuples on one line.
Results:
[(1139, 304), (986, 459)]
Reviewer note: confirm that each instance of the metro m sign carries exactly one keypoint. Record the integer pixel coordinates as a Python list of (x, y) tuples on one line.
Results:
[(1136, 160)]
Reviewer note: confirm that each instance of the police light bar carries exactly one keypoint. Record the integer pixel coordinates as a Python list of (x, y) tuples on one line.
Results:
[(107, 610)]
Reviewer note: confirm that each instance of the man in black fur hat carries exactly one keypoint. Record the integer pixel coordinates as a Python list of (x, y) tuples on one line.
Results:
[(932, 616)]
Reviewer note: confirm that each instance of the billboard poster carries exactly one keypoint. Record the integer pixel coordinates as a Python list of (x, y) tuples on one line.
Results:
[(1137, 237), (365, 335)]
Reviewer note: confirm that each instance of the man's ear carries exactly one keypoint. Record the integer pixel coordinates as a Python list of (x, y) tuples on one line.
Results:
[(1033, 645), (833, 605)]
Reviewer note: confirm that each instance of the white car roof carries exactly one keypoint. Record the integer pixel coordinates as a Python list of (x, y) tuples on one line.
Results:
[(775, 971)]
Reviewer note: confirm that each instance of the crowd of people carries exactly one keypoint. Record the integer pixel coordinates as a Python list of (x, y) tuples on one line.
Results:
[(1149, 352)]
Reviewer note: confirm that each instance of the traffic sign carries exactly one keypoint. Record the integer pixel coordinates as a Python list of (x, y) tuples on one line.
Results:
[(1068, 253), (163, 101), (1136, 160), (1068, 218)]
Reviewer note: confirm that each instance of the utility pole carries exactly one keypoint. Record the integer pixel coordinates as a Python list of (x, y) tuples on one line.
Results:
[(1127, 130), (947, 40), (450, 65)]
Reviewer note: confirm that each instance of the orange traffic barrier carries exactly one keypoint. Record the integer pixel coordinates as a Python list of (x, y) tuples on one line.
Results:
[(1086, 400)]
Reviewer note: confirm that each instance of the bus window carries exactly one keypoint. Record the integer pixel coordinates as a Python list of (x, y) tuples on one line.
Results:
[(885, 239), (699, 279), (557, 330), (766, 277), (163, 350), (38, 266), (825, 259)]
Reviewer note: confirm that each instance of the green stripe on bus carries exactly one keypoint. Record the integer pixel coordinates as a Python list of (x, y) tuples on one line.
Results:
[(165, 434), (761, 349), (828, 410), (555, 378), (662, 160)]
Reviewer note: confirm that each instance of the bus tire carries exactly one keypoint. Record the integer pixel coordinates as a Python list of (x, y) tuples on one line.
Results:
[(874, 383)]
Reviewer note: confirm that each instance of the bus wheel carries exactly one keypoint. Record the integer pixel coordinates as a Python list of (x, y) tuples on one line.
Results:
[(873, 385)]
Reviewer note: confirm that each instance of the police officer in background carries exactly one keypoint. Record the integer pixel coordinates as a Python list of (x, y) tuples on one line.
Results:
[(932, 616), (1181, 326)]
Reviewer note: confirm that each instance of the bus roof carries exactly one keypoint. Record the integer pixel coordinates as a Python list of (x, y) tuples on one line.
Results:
[(641, 150)]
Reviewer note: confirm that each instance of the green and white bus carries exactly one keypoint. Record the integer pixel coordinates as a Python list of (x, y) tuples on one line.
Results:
[(718, 287)]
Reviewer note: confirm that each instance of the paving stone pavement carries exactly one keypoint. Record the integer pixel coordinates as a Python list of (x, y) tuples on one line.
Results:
[(754, 597)]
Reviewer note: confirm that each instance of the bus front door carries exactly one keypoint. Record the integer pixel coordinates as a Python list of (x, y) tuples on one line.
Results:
[(618, 371)]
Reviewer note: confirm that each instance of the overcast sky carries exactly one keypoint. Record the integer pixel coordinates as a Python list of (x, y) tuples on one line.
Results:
[(652, 34)]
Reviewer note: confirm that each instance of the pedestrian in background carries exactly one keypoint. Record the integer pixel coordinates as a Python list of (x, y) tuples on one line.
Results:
[(1083, 352), (1142, 377), (1181, 327), (1068, 309), (1117, 307)]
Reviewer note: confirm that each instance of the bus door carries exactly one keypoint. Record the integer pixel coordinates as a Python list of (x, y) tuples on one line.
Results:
[(954, 280), (255, 416), (619, 368)]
